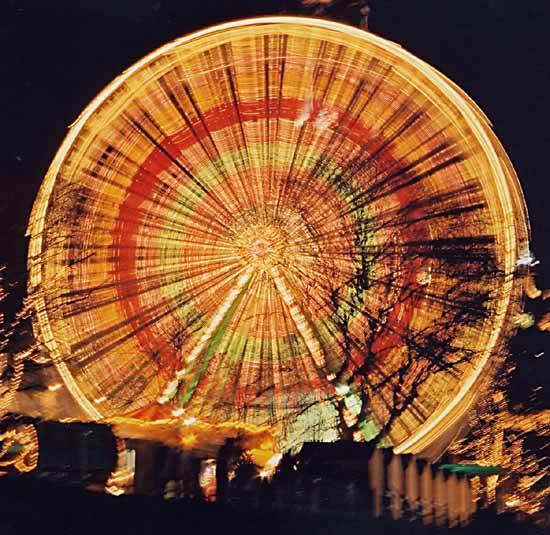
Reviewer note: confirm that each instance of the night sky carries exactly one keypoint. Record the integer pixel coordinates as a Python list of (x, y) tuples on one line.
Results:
[(56, 55)]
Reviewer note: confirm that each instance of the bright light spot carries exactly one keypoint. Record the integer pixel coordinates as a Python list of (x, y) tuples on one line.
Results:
[(512, 503), (260, 248), (275, 460), (189, 440), (178, 412), (271, 465), (181, 373), (342, 389), (114, 490), (100, 400), (172, 385), (526, 260), (190, 421), (306, 112), (207, 479), (424, 277), (56, 386), (538, 355), (524, 320), (353, 404), (169, 391), (326, 119), (349, 417)]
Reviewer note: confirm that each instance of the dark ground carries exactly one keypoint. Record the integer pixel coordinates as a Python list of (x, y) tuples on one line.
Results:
[(30, 506)]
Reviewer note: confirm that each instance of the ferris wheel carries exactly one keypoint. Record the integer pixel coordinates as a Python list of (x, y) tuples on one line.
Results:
[(281, 221)]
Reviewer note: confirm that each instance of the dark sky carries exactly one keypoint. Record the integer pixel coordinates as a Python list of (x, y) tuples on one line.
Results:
[(56, 55)]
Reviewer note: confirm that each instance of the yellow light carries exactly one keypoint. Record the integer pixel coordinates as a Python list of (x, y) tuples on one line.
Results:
[(114, 490), (188, 440), (218, 318), (271, 465), (302, 324)]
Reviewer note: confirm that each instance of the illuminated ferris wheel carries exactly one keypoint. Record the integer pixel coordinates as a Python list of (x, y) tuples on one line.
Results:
[(281, 221)]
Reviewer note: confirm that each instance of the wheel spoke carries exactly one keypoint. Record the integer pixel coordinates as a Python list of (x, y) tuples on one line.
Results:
[(217, 319), (299, 318)]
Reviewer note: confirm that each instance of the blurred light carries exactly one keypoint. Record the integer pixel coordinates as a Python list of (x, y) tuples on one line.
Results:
[(188, 440), (341, 389), (56, 386), (271, 465), (178, 412), (526, 260), (189, 421), (181, 373), (207, 479), (114, 490), (275, 460), (524, 320), (354, 404)]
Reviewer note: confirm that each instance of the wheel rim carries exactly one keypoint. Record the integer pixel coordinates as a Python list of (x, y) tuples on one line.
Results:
[(237, 213)]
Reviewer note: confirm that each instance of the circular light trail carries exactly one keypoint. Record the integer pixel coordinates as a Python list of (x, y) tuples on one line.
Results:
[(273, 219)]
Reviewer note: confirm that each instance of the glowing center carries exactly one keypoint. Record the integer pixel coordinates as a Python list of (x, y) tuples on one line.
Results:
[(262, 245), (260, 248)]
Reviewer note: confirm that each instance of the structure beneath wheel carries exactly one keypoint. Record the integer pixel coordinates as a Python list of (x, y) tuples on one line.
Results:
[(280, 221)]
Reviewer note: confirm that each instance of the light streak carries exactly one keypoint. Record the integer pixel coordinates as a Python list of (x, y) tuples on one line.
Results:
[(271, 466), (218, 318), (300, 320)]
